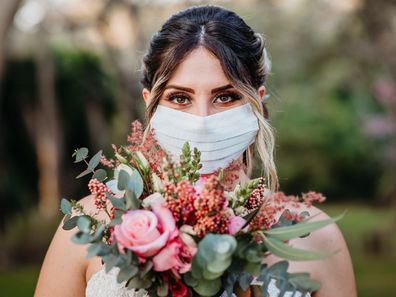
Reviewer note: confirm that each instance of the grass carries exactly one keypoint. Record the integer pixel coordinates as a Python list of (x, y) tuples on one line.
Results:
[(375, 267), (18, 282), (375, 272)]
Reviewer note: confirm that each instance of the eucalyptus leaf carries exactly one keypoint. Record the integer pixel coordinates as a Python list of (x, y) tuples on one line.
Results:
[(70, 223), (162, 290), (84, 173), (110, 261), (244, 280), (126, 272), (139, 283), (84, 223), (123, 180), (299, 229), (303, 282), (80, 154), (131, 201), (98, 233), (208, 287), (100, 175), (81, 238), (93, 250), (283, 250), (66, 207), (118, 203), (135, 183), (190, 280), (95, 160)]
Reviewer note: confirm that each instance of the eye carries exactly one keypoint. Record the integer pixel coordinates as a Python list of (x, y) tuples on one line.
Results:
[(228, 97), (177, 98)]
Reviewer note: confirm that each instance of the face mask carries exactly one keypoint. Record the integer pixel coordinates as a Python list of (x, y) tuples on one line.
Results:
[(221, 137)]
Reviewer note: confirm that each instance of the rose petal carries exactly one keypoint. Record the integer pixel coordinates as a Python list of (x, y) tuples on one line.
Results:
[(167, 258), (151, 248)]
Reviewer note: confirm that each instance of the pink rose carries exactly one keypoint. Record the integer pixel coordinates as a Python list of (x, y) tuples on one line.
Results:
[(235, 224), (146, 232)]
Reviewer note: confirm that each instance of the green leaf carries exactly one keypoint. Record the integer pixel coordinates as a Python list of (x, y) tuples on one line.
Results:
[(279, 267), (283, 250), (81, 238), (110, 261), (139, 283), (127, 272), (303, 282), (208, 287), (84, 173), (250, 216), (66, 207), (131, 201), (84, 224), (244, 280), (93, 249), (135, 183), (95, 160), (70, 223), (123, 180), (80, 154), (299, 229), (100, 175), (118, 203), (162, 290), (98, 233), (190, 280)]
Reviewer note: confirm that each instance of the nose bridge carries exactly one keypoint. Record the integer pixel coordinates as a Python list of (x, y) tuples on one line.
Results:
[(203, 107)]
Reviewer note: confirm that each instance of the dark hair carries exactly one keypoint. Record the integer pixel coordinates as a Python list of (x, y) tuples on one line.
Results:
[(241, 53)]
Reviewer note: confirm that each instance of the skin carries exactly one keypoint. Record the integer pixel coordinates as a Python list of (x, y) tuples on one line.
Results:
[(66, 271)]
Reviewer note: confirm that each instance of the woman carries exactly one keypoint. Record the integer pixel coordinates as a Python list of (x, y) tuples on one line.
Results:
[(205, 60)]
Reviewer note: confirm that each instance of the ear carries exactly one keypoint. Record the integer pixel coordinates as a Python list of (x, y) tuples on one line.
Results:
[(261, 91), (146, 95)]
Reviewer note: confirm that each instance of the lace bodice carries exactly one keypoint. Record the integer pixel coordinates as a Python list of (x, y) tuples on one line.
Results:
[(103, 284)]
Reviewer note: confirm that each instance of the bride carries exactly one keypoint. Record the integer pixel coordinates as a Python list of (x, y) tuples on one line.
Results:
[(204, 61)]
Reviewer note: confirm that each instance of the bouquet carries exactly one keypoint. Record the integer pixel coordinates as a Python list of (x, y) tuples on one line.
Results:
[(172, 232)]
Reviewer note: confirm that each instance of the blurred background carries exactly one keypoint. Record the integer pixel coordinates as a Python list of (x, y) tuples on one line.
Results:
[(69, 77)]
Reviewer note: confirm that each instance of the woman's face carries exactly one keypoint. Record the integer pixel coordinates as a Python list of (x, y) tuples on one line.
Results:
[(199, 86)]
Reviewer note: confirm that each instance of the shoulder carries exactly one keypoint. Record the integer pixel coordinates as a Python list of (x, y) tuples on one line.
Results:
[(335, 273), (63, 272)]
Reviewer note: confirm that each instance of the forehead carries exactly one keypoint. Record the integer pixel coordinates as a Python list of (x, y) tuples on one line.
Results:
[(200, 68)]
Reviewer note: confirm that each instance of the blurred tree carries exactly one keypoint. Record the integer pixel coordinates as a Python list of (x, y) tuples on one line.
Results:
[(8, 9)]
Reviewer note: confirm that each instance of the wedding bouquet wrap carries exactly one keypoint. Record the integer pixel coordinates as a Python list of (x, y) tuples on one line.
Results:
[(172, 232)]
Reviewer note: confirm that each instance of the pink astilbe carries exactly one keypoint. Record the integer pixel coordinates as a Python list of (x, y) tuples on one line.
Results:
[(231, 174), (99, 190), (109, 163), (180, 200), (148, 146), (210, 208), (310, 197), (277, 203)]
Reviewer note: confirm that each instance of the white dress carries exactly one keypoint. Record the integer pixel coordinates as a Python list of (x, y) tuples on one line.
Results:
[(103, 284)]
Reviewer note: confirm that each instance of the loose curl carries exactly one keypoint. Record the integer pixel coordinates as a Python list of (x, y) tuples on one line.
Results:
[(243, 58)]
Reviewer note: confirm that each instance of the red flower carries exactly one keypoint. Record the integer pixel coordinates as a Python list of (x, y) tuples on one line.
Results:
[(178, 289)]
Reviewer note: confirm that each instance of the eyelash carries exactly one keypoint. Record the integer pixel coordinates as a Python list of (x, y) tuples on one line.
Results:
[(234, 96)]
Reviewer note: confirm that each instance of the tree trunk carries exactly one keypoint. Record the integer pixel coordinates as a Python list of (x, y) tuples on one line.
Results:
[(47, 135)]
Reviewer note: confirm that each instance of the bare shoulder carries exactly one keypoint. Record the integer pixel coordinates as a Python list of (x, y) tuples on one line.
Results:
[(335, 273), (63, 272)]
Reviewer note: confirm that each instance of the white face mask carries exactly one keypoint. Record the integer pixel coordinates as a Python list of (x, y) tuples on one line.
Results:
[(221, 137)]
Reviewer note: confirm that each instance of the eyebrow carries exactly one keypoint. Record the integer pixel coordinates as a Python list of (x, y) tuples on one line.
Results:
[(222, 88)]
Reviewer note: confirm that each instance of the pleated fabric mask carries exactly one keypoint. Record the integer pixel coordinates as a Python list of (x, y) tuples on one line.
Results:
[(221, 137)]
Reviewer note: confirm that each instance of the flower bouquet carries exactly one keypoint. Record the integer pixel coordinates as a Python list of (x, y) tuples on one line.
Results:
[(172, 232)]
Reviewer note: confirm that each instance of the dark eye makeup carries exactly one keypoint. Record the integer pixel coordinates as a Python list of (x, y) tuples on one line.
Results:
[(181, 98)]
